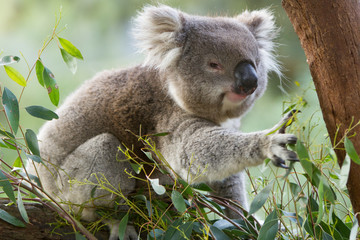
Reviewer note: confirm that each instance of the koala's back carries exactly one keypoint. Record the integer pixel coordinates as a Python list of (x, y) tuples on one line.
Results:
[(119, 102)]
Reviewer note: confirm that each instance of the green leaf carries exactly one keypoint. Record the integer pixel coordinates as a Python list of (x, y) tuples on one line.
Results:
[(136, 167), (183, 232), (304, 158), (187, 189), (7, 134), (160, 134), (35, 179), (11, 107), (344, 172), (293, 218), (354, 230), (156, 234), (93, 190), (6, 60), (51, 86), (350, 149), (147, 203), (32, 142), (79, 236), (15, 75), (69, 60), (39, 69), (159, 189), (203, 187), (10, 219), (21, 207), (6, 185), (218, 233), (17, 163), (295, 189), (122, 226), (321, 201), (270, 227), (70, 48), (178, 201), (341, 226), (41, 112), (35, 158), (260, 198)]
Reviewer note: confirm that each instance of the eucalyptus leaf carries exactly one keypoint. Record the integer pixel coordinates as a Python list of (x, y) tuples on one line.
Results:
[(178, 201), (203, 187), (69, 60), (350, 150), (79, 236), (51, 86), (218, 233), (344, 172), (122, 226), (7, 187), (32, 142), (39, 69), (159, 189), (70, 48), (15, 75), (183, 232), (270, 227), (156, 234), (354, 230), (17, 163), (136, 167), (321, 201), (260, 198), (147, 203), (10, 219), (6, 60), (7, 134), (41, 112), (304, 158), (21, 207), (11, 107), (35, 158)]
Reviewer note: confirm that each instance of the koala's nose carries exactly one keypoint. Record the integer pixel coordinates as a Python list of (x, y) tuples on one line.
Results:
[(245, 78)]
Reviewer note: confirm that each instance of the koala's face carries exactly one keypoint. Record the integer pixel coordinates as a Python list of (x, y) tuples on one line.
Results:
[(219, 68), (215, 67)]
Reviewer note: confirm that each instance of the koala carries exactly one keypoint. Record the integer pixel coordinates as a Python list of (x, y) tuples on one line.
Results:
[(200, 76)]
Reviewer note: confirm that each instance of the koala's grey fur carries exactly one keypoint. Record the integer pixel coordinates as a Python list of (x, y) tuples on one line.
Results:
[(186, 88)]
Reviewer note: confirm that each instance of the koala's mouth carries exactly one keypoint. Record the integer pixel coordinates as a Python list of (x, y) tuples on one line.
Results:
[(239, 94)]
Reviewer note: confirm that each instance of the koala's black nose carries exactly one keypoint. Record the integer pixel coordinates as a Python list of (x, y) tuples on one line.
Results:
[(245, 78)]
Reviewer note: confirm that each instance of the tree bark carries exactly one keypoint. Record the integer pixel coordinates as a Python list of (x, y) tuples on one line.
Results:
[(329, 32), (43, 225)]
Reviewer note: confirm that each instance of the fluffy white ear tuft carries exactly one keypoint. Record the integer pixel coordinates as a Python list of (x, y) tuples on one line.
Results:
[(156, 31), (261, 23)]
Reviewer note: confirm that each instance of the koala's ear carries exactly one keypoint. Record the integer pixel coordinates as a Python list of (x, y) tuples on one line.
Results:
[(157, 31), (261, 23)]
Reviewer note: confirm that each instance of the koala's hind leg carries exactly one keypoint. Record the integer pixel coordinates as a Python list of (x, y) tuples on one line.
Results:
[(97, 161), (233, 188)]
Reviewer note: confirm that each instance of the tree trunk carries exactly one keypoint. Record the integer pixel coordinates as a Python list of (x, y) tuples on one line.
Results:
[(329, 32), (43, 225)]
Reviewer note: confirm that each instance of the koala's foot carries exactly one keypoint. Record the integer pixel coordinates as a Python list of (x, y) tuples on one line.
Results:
[(277, 150)]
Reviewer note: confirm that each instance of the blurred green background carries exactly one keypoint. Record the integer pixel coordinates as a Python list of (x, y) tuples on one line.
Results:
[(102, 31)]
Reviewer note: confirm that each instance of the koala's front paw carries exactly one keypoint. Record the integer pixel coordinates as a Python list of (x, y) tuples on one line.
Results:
[(278, 139), (278, 151)]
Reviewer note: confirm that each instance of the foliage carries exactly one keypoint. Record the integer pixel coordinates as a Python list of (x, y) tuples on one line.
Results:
[(309, 201)]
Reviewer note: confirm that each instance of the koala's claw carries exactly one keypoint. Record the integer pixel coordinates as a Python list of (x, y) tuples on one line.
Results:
[(278, 141)]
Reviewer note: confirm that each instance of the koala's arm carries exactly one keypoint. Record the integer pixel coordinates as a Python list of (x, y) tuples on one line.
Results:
[(201, 151)]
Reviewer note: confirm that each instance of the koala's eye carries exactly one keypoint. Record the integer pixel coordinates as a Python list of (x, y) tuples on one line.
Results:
[(216, 66)]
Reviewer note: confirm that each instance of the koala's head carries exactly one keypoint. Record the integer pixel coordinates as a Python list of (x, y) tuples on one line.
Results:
[(214, 67)]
